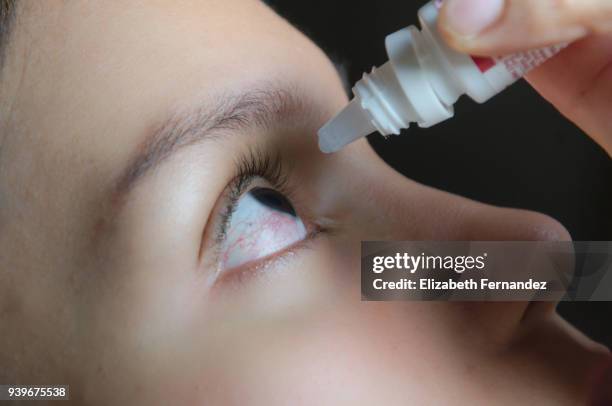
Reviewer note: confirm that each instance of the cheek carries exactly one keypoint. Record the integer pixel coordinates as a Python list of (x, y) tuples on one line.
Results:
[(256, 231), (320, 357)]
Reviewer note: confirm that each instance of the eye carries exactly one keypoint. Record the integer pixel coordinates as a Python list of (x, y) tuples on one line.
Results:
[(254, 223), (263, 222)]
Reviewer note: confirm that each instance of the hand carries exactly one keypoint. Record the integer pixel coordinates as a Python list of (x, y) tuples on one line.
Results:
[(578, 82)]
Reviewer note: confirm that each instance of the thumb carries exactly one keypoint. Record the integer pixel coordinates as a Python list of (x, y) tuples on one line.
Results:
[(497, 27)]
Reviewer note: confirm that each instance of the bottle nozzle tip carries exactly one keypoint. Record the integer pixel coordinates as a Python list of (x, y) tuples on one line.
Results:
[(349, 125)]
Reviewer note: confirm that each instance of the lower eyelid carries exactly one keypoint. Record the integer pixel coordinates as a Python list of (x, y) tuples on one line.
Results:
[(235, 278)]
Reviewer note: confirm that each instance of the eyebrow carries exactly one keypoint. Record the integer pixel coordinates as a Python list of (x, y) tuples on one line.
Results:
[(265, 107)]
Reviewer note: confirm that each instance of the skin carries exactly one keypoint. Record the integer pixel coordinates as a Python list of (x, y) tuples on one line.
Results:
[(121, 309)]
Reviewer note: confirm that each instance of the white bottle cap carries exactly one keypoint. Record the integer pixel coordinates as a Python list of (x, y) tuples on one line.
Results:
[(422, 80), (352, 123)]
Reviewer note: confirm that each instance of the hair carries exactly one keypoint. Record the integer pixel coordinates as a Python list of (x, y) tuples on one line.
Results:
[(7, 15)]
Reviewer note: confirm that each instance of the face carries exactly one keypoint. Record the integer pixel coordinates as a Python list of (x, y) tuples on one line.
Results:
[(172, 235)]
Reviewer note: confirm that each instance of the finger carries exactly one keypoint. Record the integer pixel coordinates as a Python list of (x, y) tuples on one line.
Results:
[(495, 27), (578, 82)]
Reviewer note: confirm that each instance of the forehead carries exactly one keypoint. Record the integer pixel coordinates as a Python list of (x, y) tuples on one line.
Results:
[(167, 32), (115, 67), (156, 50), (87, 80)]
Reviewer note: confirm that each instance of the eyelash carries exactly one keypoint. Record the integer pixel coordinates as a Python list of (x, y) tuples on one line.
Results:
[(254, 164)]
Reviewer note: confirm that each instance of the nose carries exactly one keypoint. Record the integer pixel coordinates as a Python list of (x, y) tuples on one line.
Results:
[(389, 207)]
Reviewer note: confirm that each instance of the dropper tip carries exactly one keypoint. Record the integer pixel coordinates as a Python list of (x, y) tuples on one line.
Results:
[(352, 123), (328, 143)]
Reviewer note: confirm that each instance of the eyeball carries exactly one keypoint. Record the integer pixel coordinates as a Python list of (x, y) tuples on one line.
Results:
[(263, 222)]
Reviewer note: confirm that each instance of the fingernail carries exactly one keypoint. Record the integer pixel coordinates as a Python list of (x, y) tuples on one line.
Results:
[(471, 17)]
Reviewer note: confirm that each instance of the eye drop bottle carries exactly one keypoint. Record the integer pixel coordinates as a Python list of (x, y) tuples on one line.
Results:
[(422, 80)]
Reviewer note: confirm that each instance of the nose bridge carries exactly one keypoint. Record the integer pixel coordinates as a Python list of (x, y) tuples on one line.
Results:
[(389, 206), (396, 208)]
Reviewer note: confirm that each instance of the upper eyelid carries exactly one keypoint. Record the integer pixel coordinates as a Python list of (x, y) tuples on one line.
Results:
[(268, 164)]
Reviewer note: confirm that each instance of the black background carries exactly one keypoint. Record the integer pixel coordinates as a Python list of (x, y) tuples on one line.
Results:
[(515, 151)]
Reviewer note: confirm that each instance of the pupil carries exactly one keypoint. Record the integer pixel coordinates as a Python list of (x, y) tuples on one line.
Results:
[(273, 200)]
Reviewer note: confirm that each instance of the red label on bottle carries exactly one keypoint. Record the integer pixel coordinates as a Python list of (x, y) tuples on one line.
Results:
[(483, 63)]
